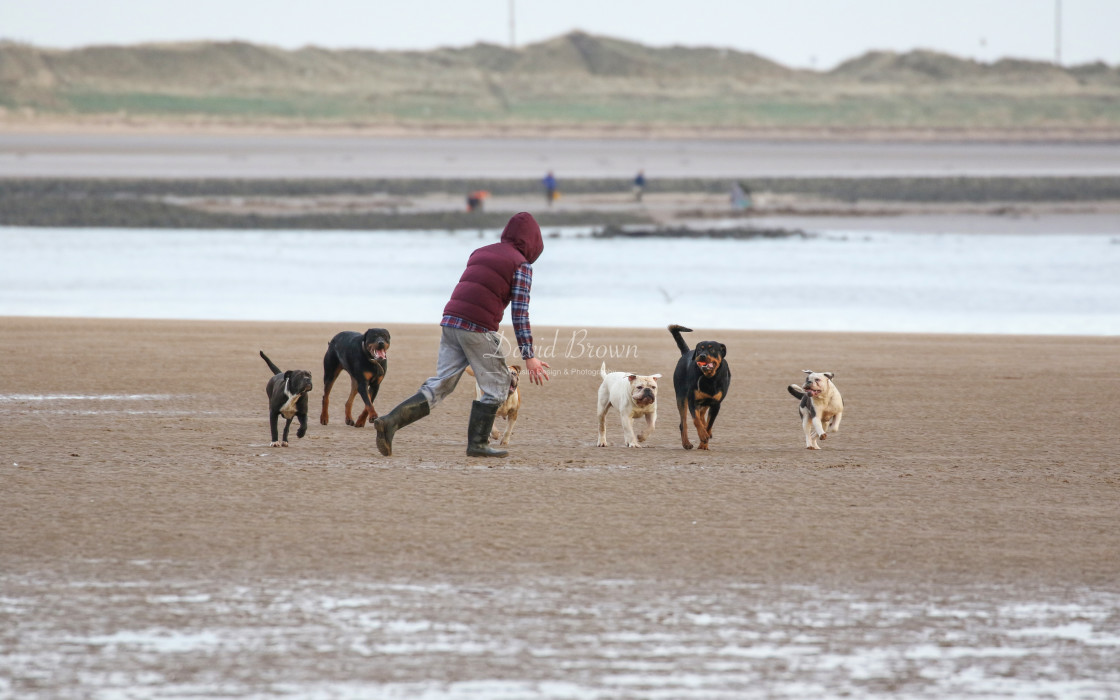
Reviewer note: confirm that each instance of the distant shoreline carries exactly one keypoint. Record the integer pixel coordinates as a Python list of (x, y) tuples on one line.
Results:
[(989, 203), (16, 123)]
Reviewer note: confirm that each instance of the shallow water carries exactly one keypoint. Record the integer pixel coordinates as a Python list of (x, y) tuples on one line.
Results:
[(146, 636), (836, 281)]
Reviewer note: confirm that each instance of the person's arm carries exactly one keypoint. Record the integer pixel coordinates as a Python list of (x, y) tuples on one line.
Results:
[(519, 312)]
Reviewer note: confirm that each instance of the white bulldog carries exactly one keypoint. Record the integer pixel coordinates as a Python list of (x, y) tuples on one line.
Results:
[(635, 396), (820, 405)]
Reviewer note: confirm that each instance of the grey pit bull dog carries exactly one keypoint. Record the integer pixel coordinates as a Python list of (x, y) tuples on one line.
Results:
[(820, 406), (287, 396)]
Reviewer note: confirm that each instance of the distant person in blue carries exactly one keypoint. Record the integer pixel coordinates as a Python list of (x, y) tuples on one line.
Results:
[(639, 185), (740, 196), (549, 183)]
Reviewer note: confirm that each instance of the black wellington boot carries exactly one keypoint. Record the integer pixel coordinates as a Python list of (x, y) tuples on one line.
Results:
[(478, 432), (408, 411)]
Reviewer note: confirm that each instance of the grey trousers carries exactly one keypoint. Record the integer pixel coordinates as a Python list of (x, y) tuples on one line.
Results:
[(483, 352)]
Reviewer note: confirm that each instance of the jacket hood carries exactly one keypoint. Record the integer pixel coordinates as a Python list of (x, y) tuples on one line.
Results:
[(524, 233)]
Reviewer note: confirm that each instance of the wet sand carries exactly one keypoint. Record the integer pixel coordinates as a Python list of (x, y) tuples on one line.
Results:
[(137, 474), (44, 153), (961, 459)]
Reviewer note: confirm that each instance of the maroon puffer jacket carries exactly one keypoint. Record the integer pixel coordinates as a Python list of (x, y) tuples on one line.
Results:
[(484, 290)]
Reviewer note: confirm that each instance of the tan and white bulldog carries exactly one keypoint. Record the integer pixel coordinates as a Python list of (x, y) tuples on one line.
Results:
[(820, 406), (509, 407), (635, 396)]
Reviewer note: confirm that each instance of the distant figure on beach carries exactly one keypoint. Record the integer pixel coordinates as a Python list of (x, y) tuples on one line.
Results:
[(475, 200), (740, 196), (639, 185), (549, 183), (497, 275)]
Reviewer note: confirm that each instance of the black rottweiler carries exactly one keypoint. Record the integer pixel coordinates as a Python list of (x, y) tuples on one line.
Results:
[(287, 396), (365, 356), (701, 381)]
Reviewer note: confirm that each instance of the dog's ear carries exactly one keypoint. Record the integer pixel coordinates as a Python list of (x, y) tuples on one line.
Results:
[(807, 371), (723, 349), (516, 369), (632, 377), (655, 376), (287, 375), (830, 375)]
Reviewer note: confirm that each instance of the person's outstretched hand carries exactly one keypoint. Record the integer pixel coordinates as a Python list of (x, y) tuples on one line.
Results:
[(537, 371)]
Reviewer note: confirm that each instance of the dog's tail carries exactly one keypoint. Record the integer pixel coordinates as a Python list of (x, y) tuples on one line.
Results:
[(271, 365), (798, 392), (603, 370), (676, 331)]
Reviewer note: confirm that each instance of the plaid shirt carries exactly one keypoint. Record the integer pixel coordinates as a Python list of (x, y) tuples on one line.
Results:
[(519, 312)]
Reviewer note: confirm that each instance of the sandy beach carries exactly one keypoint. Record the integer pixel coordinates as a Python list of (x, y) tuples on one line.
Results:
[(137, 474), (962, 459)]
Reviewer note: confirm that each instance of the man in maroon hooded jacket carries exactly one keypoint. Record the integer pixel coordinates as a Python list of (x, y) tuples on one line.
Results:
[(497, 276)]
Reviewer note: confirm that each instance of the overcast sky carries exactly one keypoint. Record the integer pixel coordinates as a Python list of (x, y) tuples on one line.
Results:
[(802, 33)]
